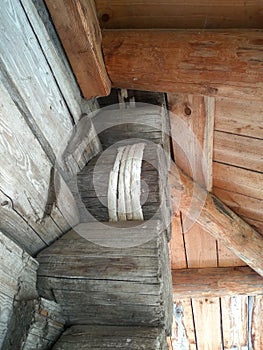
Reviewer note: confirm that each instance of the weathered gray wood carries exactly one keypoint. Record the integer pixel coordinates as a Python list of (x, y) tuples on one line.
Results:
[(35, 324), (112, 338), (17, 279), (94, 180), (28, 72), (124, 282), (82, 146), (25, 178), (145, 121)]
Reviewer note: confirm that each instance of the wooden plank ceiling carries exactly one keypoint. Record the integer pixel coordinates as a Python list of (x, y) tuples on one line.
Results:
[(228, 124)]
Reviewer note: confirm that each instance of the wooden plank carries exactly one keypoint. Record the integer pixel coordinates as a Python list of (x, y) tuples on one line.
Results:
[(217, 219), (115, 337), (242, 181), (208, 327), (216, 282), (226, 258), (188, 62), (240, 151), (256, 330), (39, 19), (183, 334), (192, 135), (25, 176), (235, 322), (26, 71), (77, 25), (176, 245), (239, 116), (201, 14)]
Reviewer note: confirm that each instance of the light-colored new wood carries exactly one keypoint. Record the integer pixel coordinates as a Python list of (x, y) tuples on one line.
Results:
[(221, 222), (200, 14), (239, 116), (216, 282), (240, 151), (186, 61), (242, 181), (77, 25), (207, 324)]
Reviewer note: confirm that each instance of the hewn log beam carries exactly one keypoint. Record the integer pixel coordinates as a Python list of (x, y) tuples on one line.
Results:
[(225, 63), (216, 282), (78, 28), (198, 205)]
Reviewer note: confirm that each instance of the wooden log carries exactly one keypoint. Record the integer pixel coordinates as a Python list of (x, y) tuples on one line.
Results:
[(107, 197), (105, 285), (35, 324), (169, 14), (17, 280), (188, 62), (145, 121), (77, 25), (112, 337), (220, 221), (216, 282)]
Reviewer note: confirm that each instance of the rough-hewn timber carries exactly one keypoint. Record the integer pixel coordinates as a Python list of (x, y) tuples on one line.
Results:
[(112, 337), (215, 63)]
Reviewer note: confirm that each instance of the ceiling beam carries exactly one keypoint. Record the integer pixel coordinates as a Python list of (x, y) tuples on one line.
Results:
[(216, 282), (198, 205), (79, 31), (215, 63)]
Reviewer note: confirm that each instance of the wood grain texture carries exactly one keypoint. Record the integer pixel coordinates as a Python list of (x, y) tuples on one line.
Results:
[(114, 337), (218, 220), (216, 282), (107, 285), (240, 151), (256, 331), (187, 62), (27, 72), (238, 180), (77, 25), (146, 14), (35, 324), (235, 322), (18, 280), (25, 176), (39, 19), (239, 116), (207, 323)]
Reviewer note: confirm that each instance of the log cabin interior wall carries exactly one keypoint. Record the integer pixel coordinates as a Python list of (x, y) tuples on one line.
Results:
[(41, 102)]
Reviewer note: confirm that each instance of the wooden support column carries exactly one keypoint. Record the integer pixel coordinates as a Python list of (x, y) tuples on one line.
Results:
[(221, 222), (78, 28), (215, 63), (216, 282)]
